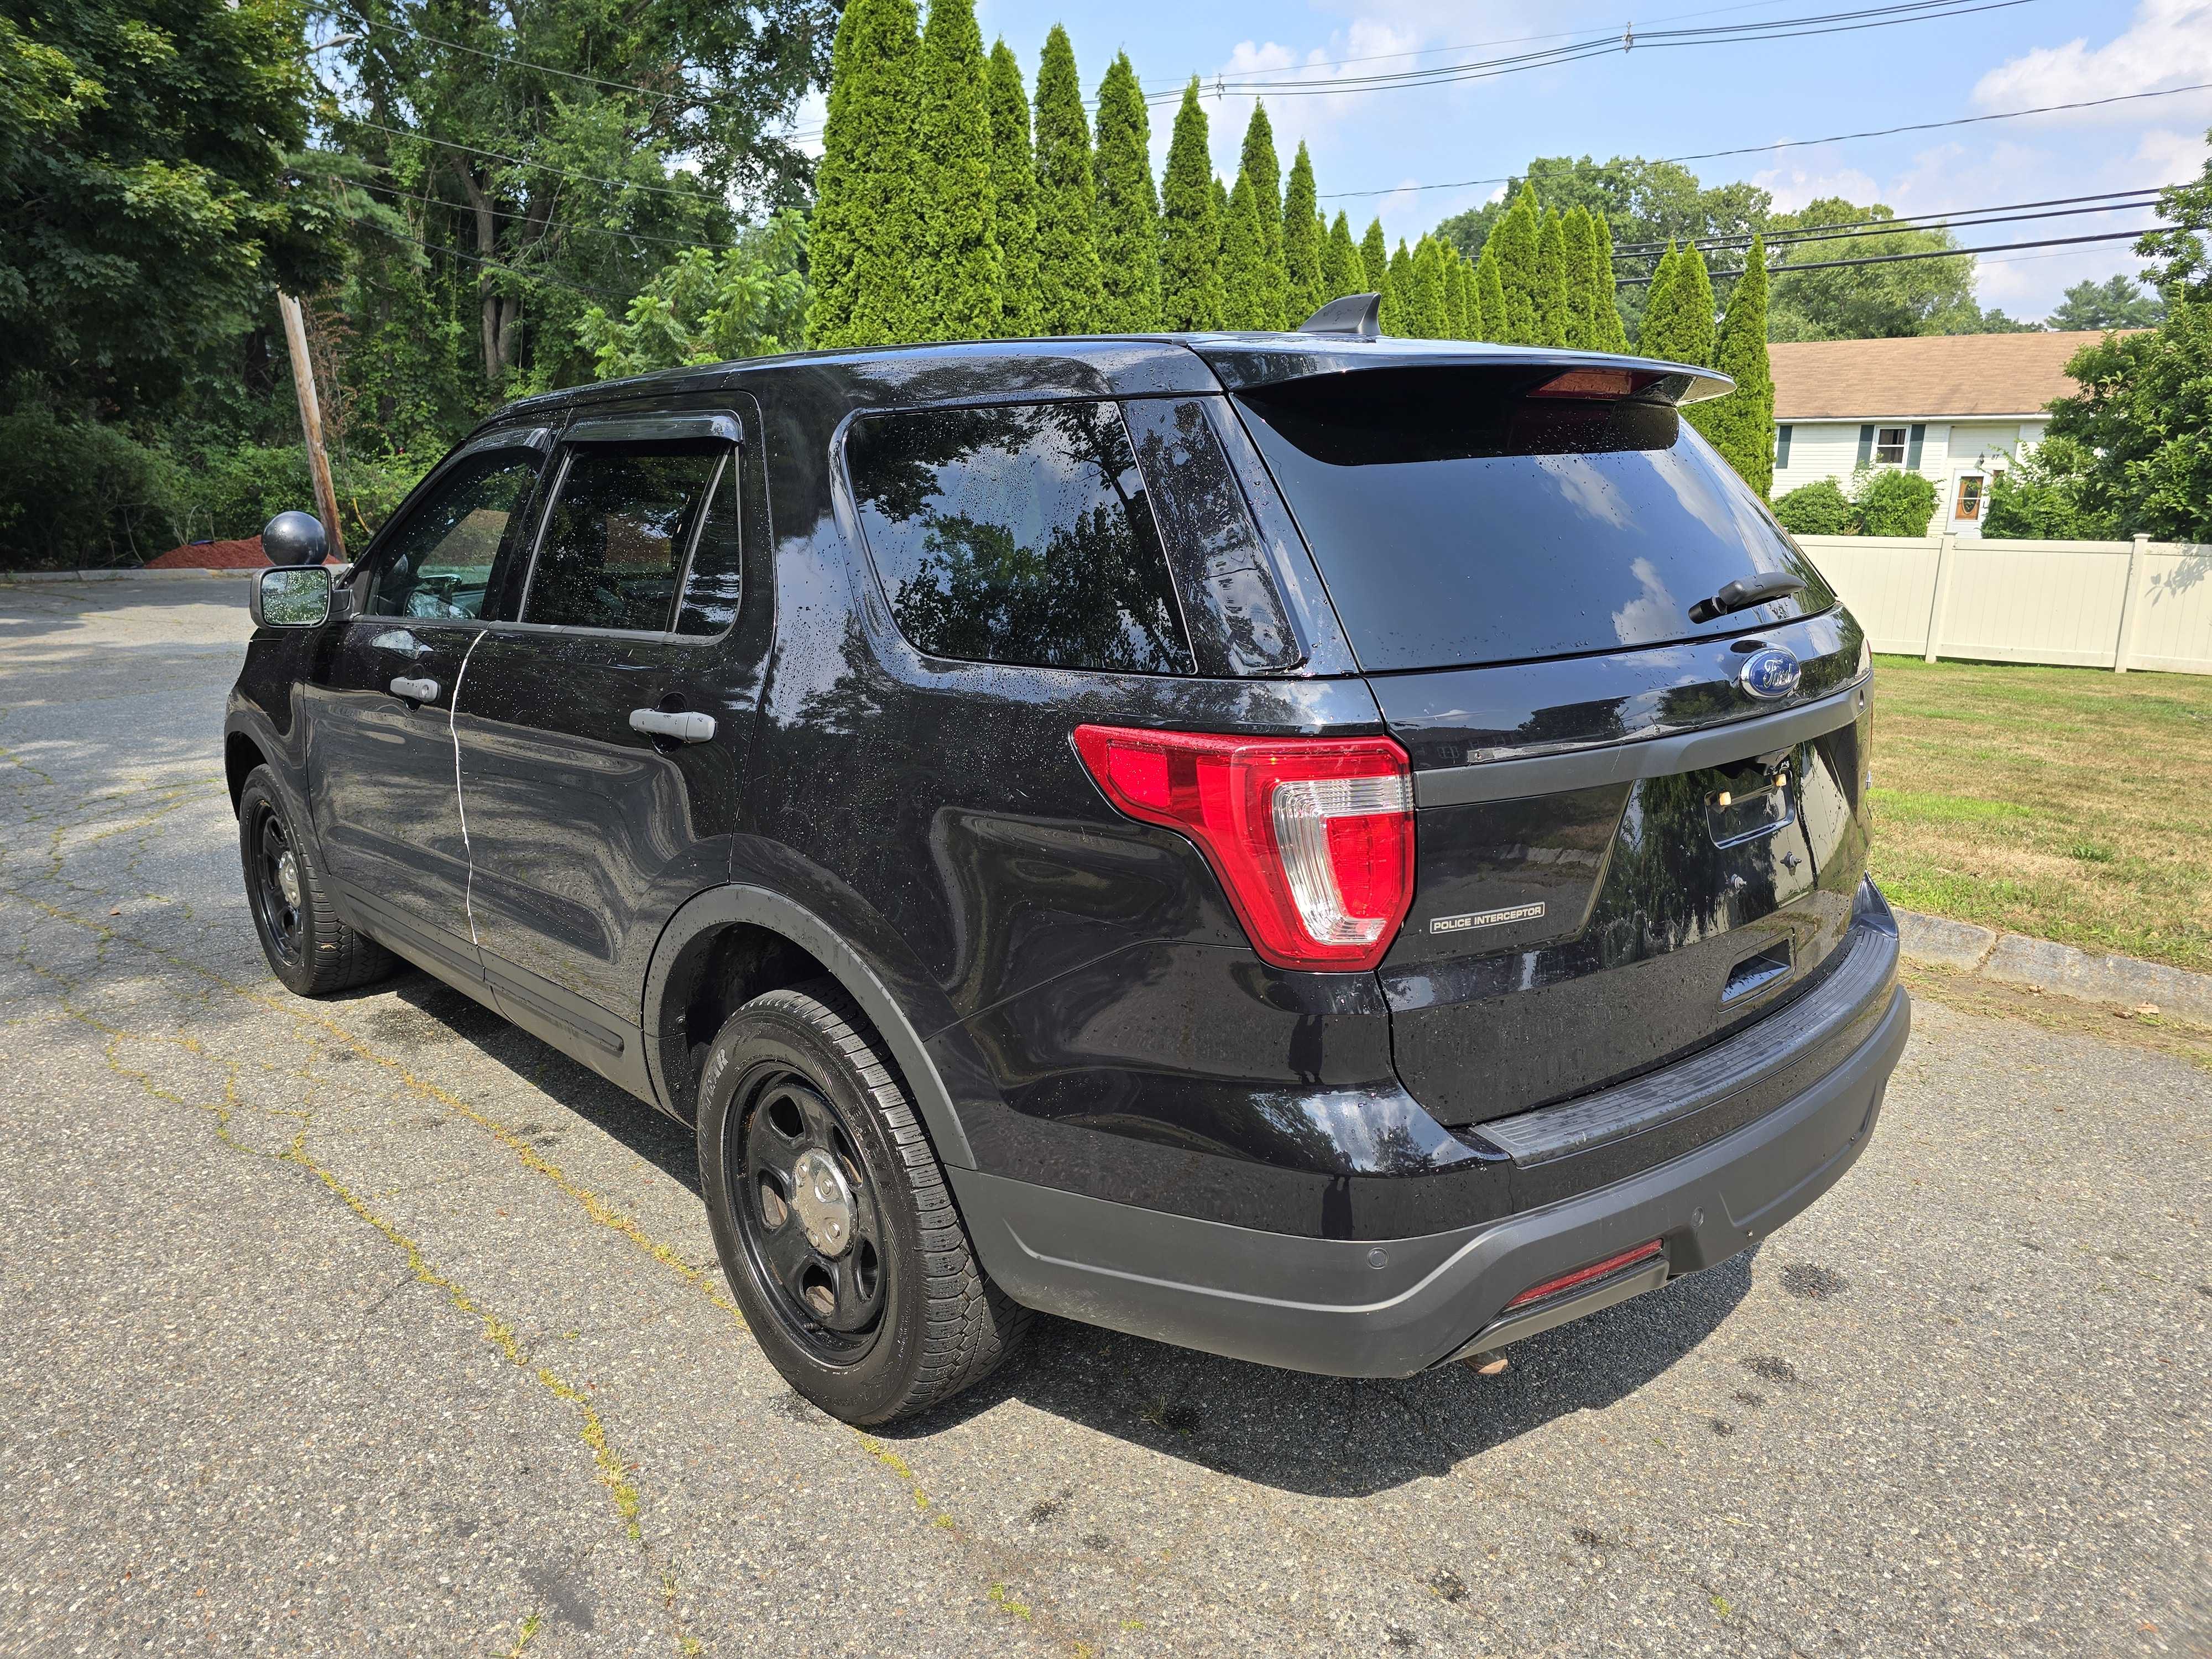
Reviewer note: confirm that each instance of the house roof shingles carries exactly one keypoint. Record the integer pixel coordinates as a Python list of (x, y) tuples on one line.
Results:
[(1932, 375)]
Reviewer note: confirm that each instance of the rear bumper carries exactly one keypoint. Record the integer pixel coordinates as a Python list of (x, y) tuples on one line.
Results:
[(1393, 1306)]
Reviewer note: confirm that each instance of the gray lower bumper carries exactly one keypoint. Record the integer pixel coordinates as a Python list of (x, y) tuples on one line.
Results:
[(1391, 1309)]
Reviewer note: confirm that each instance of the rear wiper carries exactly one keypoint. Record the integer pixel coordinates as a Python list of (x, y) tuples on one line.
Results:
[(1744, 592)]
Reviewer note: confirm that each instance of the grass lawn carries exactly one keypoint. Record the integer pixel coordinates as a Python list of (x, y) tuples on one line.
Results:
[(2069, 803)]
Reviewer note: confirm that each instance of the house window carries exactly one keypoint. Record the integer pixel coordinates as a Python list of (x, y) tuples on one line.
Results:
[(1970, 498), (1889, 446), (1781, 448)]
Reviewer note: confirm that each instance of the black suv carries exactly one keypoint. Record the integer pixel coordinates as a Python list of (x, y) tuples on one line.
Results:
[(1335, 851)]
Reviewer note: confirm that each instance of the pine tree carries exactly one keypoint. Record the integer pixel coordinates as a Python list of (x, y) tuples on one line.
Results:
[(1013, 185), (861, 181), (1742, 424), (1554, 282), (1265, 173), (1477, 325), (1191, 295), (1128, 231), (1455, 293), (1397, 289), (1658, 328), (1069, 289), (1374, 258), (1678, 323), (1346, 273), (1581, 268), (1303, 285), (1611, 334), (1490, 293), (1428, 307), (956, 293), (1516, 237), (1246, 301)]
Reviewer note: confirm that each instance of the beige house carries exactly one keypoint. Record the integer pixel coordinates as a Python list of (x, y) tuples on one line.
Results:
[(1955, 408)]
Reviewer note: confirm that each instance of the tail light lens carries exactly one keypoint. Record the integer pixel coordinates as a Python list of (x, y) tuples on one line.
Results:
[(1312, 837)]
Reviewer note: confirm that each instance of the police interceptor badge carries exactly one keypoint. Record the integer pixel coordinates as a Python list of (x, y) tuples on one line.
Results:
[(1485, 919)]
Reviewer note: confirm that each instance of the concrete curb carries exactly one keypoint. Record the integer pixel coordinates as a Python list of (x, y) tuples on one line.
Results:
[(10, 577), (2043, 964)]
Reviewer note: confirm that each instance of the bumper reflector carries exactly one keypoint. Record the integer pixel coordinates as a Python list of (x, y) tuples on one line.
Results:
[(1580, 1276)]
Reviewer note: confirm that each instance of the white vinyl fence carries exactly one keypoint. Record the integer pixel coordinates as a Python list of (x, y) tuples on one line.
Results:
[(2085, 604)]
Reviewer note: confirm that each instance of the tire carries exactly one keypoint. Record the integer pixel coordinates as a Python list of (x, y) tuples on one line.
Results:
[(308, 947), (864, 1290)]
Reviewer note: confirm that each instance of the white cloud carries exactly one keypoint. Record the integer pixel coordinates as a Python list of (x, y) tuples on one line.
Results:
[(1793, 187), (2168, 43)]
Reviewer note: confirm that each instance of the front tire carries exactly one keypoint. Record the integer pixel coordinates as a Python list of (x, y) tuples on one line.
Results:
[(832, 1219), (308, 948)]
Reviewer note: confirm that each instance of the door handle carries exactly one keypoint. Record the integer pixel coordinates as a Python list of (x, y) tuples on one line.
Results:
[(679, 728), (416, 691)]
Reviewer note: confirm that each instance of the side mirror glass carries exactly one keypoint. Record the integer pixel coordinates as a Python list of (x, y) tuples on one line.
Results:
[(295, 539), (291, 596)]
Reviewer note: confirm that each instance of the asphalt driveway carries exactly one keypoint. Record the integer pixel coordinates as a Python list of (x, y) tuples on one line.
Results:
[(375, 1327)]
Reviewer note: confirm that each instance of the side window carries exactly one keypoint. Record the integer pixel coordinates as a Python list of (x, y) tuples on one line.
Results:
[(620, 531), (712, 589), (439, 563), (1018, 534)]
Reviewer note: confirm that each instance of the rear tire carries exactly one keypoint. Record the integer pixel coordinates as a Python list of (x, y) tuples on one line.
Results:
[(308, 947), (832, 1218)]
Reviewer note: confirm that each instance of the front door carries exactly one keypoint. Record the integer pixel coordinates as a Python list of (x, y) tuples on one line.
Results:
[(603, 738), (379, 703)]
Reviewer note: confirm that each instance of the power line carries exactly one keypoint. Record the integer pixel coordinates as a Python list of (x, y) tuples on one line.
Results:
[(479, 259), (501, 213), (542, 167), (545, 69), (1949, 218), (1937, 254), (1800, 143)]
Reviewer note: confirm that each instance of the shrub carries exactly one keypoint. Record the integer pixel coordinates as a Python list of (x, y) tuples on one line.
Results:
[(1891, 503), (2038, 497), (239, 490), (76, 494), (1817, 509)]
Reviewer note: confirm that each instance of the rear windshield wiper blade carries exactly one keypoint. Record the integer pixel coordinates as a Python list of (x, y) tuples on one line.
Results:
[(1744, 592)]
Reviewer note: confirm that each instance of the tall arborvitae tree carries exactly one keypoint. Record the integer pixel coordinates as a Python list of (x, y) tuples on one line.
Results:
[(1374, 257), (1490, 294), (1265, 173), (1249, 301), (1555, 282), (1397, 291), (1428, 303), (1191, 295), (860, 280), (1069, 291), (1515, 238), (1612, 334), (1013, 186), (1582, 263), (1678, 323), (1129, 210), (955, 238), (1742, 424), (1345, 271), (1304, 287), (1455, 293)]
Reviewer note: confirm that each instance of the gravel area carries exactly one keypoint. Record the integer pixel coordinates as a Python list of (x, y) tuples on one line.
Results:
[(375, 1327)]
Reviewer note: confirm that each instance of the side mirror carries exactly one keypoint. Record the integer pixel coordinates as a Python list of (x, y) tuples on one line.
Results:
[(291, 596), (295, 539)]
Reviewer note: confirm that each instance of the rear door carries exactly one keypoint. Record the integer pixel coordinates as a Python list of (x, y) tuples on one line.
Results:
[(378, 698), (602, 737), (1636, 831)]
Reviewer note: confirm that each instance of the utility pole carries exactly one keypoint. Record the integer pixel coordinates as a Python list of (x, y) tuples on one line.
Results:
[(311, 422)]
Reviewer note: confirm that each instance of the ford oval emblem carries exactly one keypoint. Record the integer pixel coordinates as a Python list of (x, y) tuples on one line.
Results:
[(1771, 672)]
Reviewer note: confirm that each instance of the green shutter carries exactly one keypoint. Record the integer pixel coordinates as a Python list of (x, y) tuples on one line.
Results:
[(1781, 447), (1866, 446), (1912, 449)]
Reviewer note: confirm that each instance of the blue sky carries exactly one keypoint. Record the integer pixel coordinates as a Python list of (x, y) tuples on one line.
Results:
[(1673, 102)]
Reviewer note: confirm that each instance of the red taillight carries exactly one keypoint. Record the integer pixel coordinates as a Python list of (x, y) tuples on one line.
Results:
[(1595, 1271), (1594, 383), (1313, 837)]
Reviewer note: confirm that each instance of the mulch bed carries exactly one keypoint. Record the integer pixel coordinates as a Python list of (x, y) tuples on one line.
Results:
[(245, 554)]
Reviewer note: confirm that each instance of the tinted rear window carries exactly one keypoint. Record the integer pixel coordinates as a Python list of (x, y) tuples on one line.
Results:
[(1459, 522), (1018, 534)]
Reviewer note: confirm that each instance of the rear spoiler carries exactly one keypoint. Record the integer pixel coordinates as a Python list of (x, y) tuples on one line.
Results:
[(1340, 339)]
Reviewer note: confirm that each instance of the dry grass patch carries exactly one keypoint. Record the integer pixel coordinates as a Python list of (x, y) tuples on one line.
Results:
[(2067, 803)]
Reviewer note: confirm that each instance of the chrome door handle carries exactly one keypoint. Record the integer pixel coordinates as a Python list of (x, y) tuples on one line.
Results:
[(416, 691), (680, 728)]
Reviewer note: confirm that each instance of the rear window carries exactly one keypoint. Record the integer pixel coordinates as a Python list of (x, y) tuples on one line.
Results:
[(1458, 522), (1018, 534)]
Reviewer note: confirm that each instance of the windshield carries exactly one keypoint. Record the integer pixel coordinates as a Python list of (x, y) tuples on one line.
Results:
[(1458, 521)]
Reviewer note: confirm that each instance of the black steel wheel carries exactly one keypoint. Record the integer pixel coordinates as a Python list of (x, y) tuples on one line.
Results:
[(832, 1218), (308, 947), (807, 1213)]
